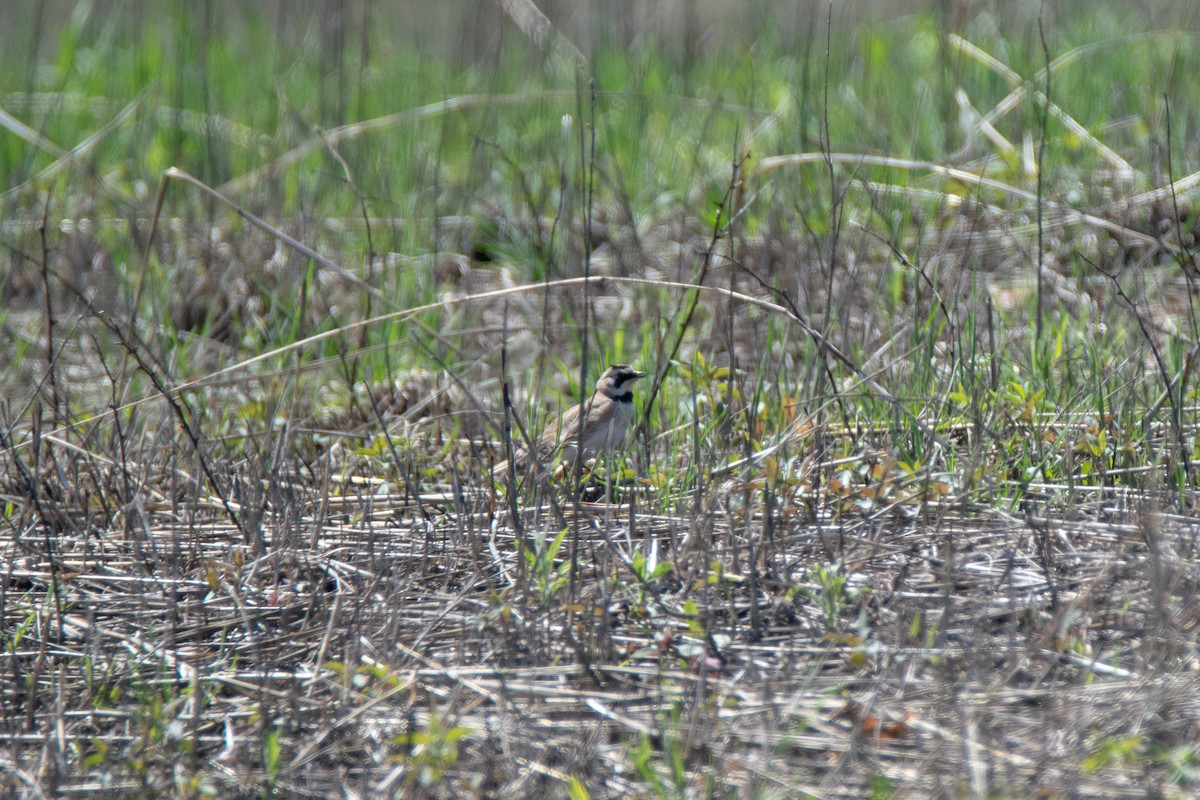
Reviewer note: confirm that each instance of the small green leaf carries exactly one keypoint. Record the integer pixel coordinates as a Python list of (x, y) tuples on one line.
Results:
[(576, 790)]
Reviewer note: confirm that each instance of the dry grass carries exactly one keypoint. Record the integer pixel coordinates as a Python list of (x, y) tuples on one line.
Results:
[(910, 510), (366, 629), (822, 619)]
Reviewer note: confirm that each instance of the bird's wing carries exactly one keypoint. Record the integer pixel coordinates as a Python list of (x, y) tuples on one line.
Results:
[(565, 429)]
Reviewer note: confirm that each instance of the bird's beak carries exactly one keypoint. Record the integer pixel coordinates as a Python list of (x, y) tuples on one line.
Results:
[(638, 375)]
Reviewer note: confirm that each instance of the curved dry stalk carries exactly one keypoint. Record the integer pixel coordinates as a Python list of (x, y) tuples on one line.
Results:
[(729, 294), (953, 173)]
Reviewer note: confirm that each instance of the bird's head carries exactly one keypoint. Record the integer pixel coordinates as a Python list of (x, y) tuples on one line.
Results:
[(617, 381)]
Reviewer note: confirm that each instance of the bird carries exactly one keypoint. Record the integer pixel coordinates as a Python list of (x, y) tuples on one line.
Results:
[(606, 418)]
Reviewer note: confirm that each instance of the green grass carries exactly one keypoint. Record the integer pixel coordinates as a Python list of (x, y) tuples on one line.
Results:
[(249, 521)]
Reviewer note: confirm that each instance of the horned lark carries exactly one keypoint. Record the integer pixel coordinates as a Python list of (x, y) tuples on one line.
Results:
[(606, 418)]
